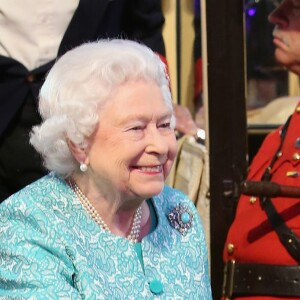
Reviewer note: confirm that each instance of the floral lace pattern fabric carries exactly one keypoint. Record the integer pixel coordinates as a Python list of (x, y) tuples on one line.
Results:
[(50, 248)]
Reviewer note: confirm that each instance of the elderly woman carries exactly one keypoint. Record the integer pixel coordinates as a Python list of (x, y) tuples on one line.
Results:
[(102, 225)]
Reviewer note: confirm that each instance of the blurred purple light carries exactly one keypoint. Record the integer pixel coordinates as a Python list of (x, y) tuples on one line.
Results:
[(251, 12)]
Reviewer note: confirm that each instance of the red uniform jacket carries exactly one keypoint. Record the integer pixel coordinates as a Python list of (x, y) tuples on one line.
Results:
[(251, 238)]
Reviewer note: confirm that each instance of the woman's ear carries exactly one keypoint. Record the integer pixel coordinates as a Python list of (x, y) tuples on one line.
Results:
[(79, 153)]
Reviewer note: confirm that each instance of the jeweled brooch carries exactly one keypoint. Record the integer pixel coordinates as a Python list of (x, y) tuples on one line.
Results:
[(181, 219)]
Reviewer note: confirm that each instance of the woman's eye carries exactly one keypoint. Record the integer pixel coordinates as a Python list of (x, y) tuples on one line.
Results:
[(136, 128), (165, 125)]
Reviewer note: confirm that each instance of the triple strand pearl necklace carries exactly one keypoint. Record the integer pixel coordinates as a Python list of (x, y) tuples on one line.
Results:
[(134, 234)]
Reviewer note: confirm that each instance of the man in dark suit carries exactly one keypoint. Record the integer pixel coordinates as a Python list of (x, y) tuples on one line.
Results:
[(86, 20)]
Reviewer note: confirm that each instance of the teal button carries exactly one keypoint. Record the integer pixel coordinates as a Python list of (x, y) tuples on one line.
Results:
[(156, 287), (185, 217)]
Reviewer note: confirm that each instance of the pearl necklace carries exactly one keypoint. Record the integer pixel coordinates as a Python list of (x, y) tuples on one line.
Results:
[(136, 223)]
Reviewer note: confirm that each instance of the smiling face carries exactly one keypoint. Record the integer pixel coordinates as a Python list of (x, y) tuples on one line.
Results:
[(286, 34), (133, 148)]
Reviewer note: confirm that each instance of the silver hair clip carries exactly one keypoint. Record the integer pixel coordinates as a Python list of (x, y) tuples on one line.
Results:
[(181, 219)]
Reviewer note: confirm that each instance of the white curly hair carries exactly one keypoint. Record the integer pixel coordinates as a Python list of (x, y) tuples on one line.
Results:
[(78, 85)]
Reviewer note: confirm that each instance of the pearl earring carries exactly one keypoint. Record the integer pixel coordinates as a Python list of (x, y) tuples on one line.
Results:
[(83, 167)]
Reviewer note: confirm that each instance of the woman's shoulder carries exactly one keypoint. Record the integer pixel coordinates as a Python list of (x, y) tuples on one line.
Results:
[(36, 201), (48, 186)]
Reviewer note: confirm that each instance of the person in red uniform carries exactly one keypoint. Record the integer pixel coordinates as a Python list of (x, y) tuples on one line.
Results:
[(262, 250)]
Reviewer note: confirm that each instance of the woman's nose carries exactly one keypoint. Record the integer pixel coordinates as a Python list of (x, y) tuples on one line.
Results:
[(156, 142)]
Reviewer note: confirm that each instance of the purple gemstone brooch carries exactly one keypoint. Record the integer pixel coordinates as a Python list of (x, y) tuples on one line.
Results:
[(181, 219)]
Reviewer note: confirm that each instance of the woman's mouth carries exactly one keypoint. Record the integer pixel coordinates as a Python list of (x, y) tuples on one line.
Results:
[(148, 169)]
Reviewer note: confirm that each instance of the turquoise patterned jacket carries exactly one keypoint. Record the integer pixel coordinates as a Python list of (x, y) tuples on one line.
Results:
[(51, 249)]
